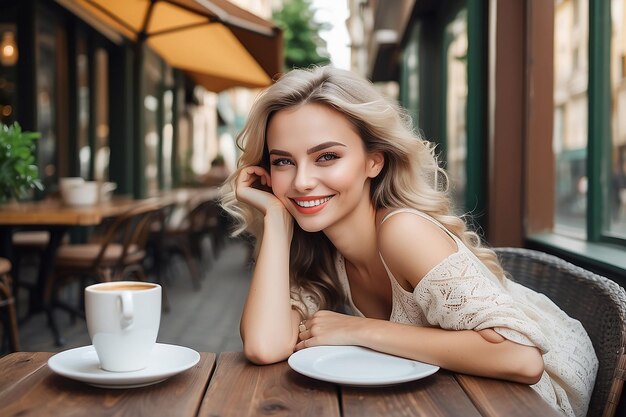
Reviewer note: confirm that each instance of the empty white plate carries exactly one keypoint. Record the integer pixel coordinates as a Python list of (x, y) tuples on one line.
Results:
[(82, 364), (355, 365)]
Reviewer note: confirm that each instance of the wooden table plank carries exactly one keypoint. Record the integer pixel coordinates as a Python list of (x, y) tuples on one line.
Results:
[(16, 368), (54, 212), (438, 395), (493, 398), (239, 388), (44, 394)]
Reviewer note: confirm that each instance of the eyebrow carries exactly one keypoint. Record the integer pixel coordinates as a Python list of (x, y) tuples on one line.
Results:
[(309, 151)]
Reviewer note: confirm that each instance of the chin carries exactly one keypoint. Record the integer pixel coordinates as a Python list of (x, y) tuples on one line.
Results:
[(310, 228), (310, 224)]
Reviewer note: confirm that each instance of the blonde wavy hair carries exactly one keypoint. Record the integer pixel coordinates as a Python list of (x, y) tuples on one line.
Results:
[(411, 176)]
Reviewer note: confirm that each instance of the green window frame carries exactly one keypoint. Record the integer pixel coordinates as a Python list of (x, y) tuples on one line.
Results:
[(475, 198), (428, 42), (599, 134), (599, 251)]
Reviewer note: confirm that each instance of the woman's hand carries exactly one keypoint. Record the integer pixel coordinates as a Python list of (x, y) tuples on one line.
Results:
[(247, 190), (330, 328)]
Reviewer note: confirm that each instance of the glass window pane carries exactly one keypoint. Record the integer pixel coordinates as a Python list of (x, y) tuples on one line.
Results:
[(410, 76), (101, 69), (456, 104), (571, 35), (46, 48), (9, 55), (152, 77), (167, 132), (82, 85), (617, 190), (168, 138)]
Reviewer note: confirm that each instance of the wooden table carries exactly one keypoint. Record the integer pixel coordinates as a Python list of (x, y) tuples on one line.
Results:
[(235, 387), (54, 211), (55, 217)]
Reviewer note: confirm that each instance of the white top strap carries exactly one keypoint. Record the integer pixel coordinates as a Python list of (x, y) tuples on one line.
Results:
[(422, 215)]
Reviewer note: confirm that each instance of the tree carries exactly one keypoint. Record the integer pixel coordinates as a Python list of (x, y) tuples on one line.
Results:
[(303, 44)]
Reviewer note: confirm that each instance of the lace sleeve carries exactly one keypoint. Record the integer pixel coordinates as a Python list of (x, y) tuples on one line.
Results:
[(457, 295), (303, 301)]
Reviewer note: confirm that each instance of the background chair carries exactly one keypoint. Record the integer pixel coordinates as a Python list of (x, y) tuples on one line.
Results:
[(118, 253), (7, 303), (28, 247), (184, 235), (206, 220), (597, 302)]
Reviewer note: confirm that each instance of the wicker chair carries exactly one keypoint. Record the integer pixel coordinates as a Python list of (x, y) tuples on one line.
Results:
[(7, 302), (597, 302)]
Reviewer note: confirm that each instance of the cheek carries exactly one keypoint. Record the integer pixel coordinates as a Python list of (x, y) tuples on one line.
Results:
[(280, 182), (346, 175)]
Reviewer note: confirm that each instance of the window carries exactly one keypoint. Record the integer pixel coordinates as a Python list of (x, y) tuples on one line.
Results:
[(9, 55), (83, 100), (46, 108), (616, 224), (167, 132), (456, 108), (101, 113), (152, 79), (589, 129), (409, 93), (571, 34)]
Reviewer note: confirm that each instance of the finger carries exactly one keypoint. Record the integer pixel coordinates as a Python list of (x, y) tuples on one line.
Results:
[(265, 178), (245, 177), (304, 344), (249, 175), (251, 170), (257, 170), (306, 334)]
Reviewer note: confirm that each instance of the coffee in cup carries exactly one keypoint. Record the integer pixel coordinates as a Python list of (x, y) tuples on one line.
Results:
[(123, 320)]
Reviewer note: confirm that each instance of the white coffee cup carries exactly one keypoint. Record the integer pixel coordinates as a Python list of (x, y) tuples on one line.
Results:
[(123, 320), (83, 194), (66, 183)]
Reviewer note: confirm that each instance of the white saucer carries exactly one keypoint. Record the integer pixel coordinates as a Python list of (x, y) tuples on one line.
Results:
[(82, 364), (355, 365)]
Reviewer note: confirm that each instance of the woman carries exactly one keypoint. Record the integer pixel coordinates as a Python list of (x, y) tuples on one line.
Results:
[(351, 215)]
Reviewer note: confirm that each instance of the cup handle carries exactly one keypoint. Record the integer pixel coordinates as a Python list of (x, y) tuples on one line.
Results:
[(126, 302)]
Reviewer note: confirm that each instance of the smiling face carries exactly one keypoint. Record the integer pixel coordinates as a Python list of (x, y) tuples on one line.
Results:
[(320, 169)]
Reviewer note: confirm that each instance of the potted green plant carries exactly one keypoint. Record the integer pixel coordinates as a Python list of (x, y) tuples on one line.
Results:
[(18, 172)]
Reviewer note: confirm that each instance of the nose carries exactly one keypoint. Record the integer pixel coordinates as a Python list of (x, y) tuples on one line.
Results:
[(304, 180)]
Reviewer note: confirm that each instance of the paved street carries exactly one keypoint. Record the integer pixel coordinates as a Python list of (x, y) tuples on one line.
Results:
[(206, 320)]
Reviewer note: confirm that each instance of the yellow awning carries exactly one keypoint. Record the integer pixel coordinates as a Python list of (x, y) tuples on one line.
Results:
[(218, 44)]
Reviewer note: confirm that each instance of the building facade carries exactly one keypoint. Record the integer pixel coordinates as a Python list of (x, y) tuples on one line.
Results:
[(525, 100), (110, 107)]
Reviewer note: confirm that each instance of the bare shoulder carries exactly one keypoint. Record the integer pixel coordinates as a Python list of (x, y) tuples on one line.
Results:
[(412, 245)]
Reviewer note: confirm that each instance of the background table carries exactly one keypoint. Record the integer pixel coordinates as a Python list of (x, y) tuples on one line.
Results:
[(238, 388), (55, 217)]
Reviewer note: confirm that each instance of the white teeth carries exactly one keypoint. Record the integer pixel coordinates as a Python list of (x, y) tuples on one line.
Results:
[(312, 203)]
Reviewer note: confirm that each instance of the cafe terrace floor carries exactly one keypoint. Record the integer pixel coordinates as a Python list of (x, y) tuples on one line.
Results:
[(206, 319)]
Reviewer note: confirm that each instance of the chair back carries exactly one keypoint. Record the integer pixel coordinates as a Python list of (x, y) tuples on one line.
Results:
[(201, 216), (597, 302), (130, 230), (7, 302)]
